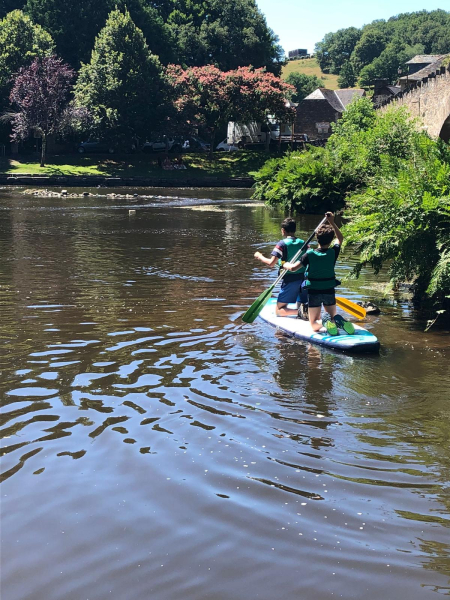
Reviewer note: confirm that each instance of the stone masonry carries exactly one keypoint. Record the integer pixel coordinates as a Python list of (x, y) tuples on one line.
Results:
[(428, 99)]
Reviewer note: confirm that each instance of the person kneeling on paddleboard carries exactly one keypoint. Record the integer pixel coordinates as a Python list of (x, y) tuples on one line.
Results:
[(291, 286), (320, 279)]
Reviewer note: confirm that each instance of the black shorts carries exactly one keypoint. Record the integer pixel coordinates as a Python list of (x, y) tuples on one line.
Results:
[(316, 299)]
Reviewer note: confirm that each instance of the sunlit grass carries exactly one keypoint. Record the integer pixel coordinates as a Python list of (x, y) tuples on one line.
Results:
[(310, 66), (223, 164)]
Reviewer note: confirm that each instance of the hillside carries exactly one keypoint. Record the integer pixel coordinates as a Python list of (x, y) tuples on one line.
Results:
[(310, 66)]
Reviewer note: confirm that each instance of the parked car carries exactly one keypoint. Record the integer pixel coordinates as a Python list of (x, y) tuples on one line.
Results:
[(224, 146), (96, 146), (159, 145)]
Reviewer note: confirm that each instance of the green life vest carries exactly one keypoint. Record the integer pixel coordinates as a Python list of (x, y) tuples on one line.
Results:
[(320, 273), (293, 245)]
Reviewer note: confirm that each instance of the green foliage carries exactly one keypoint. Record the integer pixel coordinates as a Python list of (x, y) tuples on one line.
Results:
[(347, 77), (386, 65), (226, 33), (336, 48), (21, 41), (303, 84), (74, 25), (304, 181), (376, 50), (403, 219), (122, 86)]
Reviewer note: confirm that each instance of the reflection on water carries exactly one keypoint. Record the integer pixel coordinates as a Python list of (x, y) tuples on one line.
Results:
[(155, 447)]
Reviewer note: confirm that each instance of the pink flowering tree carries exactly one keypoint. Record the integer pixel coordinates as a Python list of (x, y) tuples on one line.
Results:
[(41, 95), (258, 94), (208, 97), (201, 97)]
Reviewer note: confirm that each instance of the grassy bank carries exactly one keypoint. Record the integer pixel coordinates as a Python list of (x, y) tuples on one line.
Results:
[(224, 164), (310, 66)]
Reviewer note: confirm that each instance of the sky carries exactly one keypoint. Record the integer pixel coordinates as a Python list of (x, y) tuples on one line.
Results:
[(302, 23)]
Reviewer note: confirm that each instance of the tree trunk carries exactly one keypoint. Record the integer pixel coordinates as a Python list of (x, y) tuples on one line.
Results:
[(43, 149), (211, 148)]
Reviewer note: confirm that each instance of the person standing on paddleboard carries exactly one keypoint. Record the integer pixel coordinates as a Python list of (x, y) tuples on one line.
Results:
[(291, 286), (320, 279)]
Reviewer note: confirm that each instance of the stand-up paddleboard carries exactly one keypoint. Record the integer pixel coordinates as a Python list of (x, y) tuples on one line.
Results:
[(361, 341)]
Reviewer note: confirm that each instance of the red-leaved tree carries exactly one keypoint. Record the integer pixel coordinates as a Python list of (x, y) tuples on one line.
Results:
[(41, 95), (208, 97)]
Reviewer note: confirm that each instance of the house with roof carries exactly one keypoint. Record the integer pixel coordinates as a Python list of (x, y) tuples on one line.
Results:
[(420, 67), (321, 108)]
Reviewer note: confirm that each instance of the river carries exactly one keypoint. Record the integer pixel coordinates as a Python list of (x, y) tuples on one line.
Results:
[(155, 447)]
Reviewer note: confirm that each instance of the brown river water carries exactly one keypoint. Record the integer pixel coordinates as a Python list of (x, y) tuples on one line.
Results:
[(155, 447)]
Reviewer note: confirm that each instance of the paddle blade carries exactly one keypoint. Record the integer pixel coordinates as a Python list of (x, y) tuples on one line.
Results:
[(258, 305), (351, 307)]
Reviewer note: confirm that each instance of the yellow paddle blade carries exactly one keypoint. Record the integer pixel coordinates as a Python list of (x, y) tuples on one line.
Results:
[(351, 307)]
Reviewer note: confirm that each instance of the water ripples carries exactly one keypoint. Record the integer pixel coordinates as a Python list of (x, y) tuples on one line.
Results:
[(155, 446)]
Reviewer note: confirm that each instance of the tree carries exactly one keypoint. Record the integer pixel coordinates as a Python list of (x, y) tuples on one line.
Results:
[(88, 17), (226, 33), (201, 97), (41, 94), (421, 32), (336, 48), (207, 97), (122, 85), (303, 84), (20, 42), (73, 25), (386, 65), (370, 45), (347, 77)]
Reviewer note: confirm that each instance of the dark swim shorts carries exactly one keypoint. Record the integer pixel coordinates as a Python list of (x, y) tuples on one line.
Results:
[(316, 300)]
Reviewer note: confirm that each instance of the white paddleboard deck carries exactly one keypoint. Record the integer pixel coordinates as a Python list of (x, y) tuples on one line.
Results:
[(361, 341)]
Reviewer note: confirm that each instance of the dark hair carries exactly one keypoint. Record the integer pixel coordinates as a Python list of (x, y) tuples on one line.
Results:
[(289, 225), (325, 235)]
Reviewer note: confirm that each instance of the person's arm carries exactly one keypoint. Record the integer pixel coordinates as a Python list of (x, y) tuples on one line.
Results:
[(270, 262), (301, 262), (337, 231), (291, 266)]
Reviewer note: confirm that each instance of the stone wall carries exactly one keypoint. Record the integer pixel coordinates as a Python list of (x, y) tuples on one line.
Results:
[(429, 100), (313, 113)]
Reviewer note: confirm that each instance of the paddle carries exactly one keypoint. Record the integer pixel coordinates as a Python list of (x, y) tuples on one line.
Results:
[(260, 302), (353, 309)]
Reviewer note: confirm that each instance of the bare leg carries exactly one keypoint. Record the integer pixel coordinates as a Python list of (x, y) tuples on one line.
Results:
[(283, 311), (314, 317), (331, 310)]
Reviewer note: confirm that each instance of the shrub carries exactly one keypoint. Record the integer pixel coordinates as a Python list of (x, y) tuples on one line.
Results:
[(404, 220)]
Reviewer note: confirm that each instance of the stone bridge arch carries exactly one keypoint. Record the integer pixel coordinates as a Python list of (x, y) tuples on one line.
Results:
[(428, 99)]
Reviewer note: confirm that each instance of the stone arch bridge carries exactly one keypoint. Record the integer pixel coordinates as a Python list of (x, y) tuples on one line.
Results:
[(428, 99)]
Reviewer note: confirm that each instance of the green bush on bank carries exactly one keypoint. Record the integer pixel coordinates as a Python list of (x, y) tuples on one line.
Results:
[(393, 183), (404, 220)]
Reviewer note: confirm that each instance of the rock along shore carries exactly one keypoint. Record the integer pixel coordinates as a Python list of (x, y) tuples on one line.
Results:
[(94, 181)]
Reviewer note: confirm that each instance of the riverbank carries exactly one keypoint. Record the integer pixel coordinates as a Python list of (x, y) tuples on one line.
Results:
[(231, 169)]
